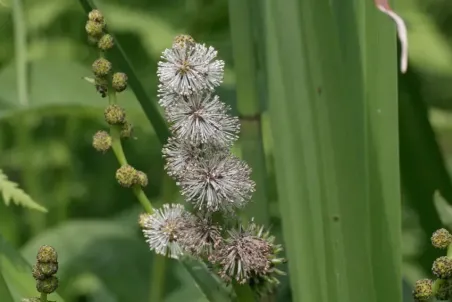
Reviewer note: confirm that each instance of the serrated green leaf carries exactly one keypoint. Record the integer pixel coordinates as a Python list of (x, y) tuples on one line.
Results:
[(12, 193)]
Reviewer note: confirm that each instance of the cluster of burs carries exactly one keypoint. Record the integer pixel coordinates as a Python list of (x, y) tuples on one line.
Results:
[(109, 83), (441, 288), (44, 272), (215, 184)]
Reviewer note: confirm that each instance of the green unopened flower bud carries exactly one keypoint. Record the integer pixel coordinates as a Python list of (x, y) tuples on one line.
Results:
[(441, 239), (142, 178), (94, 29), (142, 220), (443, 290), (183, 40), (115, 115), (37, 274), (47, 286), (47, 254), (96, 16), (442, 267), (106, 42), (101, 67), (126, 130), (126, 176), (102, 141), (44, 270), (423, 290), (119, 81)]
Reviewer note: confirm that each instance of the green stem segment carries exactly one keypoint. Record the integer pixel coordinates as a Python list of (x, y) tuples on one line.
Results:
[(121, 157), (43, 297)]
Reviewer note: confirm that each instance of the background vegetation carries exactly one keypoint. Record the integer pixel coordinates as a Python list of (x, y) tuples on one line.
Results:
[(45, 138)]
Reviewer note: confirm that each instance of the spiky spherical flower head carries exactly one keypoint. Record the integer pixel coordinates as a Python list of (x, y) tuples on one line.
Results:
[(115, 115), (119, 81), (217, 182), (94, 29), (43, 270), (101, 67), (265, 284), (106, 42), (441, 239), (201, 118), (102, 141), (47, 254), (443, 290), (201, 235), (182, 41), (241, 256), (126, 176), (167, 97), (126, 130), (423, 290), (96, 16), (142, 220), (178, 155), (162, 229), (442, 267), (142, 179), (48, 285), (188, 69)]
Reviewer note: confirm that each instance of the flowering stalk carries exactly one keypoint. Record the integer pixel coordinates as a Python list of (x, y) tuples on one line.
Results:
[(215, 183), (441, 288)]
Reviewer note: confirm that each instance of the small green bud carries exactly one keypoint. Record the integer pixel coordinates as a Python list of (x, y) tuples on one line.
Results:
[(44, 270), (423, 290), (126, 176), (115, 115), (119, 82), (443, 291), (142, 178), (183, 40), (142, 220), (441, 239), (96, 16), (442, 267), (94, 29), (47, 254), (102, 141), (106, 42), (47, 286), (126, 130), (101, 67)]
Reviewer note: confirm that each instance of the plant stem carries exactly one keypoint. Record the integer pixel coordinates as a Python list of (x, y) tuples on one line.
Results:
[(121, 157), (158, 278), (43, 297), (244, 292), (20, 45)]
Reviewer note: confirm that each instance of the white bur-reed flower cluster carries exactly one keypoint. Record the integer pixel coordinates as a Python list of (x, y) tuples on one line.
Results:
[(210, 177)]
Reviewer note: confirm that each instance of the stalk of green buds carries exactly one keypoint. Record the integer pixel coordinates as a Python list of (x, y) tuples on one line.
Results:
[(44, 273), (109, 83), (441, 288)]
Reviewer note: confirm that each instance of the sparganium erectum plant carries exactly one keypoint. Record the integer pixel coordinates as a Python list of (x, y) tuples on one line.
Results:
[(214, 182)]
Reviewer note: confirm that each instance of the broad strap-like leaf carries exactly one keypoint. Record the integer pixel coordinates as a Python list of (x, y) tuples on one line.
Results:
[(12, 193)]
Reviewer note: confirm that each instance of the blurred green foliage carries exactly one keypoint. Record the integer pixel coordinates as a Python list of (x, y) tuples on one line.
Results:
[(46, 145)]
